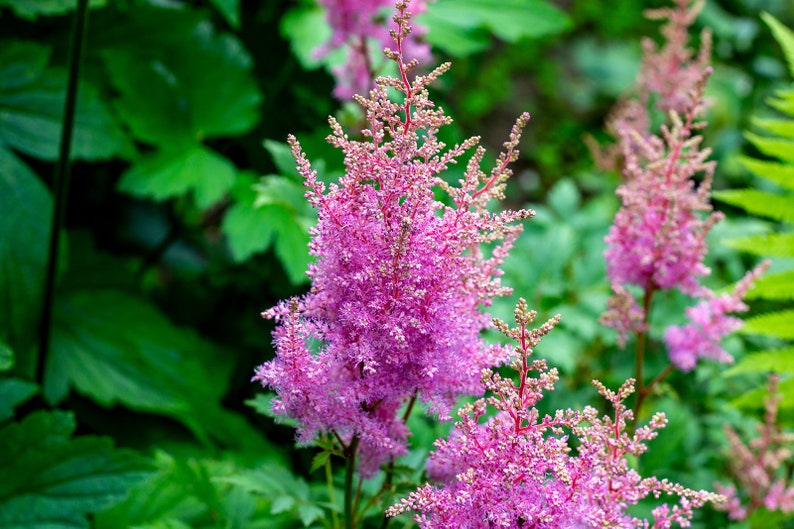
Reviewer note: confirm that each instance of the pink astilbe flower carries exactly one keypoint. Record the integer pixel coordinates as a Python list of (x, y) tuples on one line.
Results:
[(758, 466), (709, 324), (520, 470), (399, 278), (359, 27)]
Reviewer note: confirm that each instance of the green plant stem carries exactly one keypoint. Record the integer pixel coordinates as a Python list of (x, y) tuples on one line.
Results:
[(329, 478), (639, 359), (61, 181), (350, 468)]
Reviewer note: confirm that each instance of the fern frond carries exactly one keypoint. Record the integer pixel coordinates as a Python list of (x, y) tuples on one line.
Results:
[(778, 127), (782, 175), (777, 360), (767, 245), (779, 287), (777, 147), (761, 203), (783, 101), (784, 36), (778, 324)]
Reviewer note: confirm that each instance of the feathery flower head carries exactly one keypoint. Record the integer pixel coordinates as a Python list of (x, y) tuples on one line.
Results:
[(759, 466), (709, 324), (360, 26), (518, 469), (399, 277)]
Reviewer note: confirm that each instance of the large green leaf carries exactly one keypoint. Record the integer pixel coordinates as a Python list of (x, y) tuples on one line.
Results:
[(118, 349), (761, 203), (774, 286), (170, 173), (510, 20), (32, 103), (782, 175), (770, 245), (26, 208), (49, 480), (777, 147), (196, 88), (230, 9), (14, 392), (31, 9)]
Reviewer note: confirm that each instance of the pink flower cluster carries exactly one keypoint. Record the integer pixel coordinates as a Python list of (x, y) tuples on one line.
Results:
[(759, 466), (359, 26), (658, 238), (519, 470), (399, 278)]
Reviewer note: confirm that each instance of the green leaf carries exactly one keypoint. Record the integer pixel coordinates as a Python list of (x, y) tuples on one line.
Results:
[(170, 97), (770, 245), (755, 399), (169, 174), (117, 349), (784, 37), (783, 101), (14, 392), (776, 324), (292, 249), (31, 9), (308, 513), (319, 460), (32, 101), (779, 127), (777, 147), (26, 208), (283, 158), (6, 357), (775, 360), (511, 20), (50, 480), (761, 203), (306, 29), (782, 175), (230, 9), (774, 286)]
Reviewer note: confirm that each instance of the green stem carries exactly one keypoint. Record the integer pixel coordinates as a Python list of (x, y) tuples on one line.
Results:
[(642, 342), (61, 181), (350, 468), (329, 478)]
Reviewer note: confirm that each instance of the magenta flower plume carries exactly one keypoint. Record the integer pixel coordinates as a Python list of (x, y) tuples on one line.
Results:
[(759, 467), (399, 278), (709, 324), (520, 470), (359, 28)]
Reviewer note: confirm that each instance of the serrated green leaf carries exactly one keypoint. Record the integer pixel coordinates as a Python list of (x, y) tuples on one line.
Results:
[(274, 190), (776, 324), (774, 286), (282, 504), (308, 513), (6, 357), (169, 96), (511, 21), (319, 460), (117, 349), (50, 480), (32, 9), (777, 147), (32, 98), (281, 154), (14, 392), (782, 175), (306, 29), (292, 248), (169, 174), (26, 208), (775, 360), (760, 203), (771, 245), (230, 9), (784, 37)]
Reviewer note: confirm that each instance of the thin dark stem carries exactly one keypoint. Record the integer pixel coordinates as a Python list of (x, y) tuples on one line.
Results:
[(388, 480), (61, 181), (642, 343), (350, 468)]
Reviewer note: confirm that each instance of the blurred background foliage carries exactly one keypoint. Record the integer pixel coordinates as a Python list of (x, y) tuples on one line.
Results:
[(186, 219)]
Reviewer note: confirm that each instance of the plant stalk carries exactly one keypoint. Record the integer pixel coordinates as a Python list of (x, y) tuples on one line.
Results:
[(61, 181), (350, 468)]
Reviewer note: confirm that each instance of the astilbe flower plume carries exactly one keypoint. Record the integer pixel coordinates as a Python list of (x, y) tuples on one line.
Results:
[(658, 238), (519, 470), (399, 279), (358, 27), (759, 466)]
